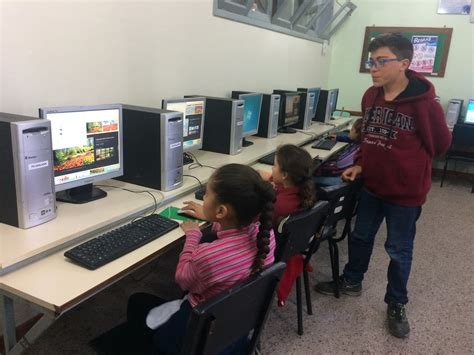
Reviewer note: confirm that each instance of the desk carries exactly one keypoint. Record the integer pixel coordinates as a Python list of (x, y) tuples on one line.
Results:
[(32, 265)]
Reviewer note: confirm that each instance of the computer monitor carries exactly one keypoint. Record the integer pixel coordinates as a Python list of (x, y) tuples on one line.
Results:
[(469, 119), (252, 107), (87, 147), (290, 110), (312, 105), (193, 122)]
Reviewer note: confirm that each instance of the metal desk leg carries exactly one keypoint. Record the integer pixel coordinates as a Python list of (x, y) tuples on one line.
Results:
[(6, 307)]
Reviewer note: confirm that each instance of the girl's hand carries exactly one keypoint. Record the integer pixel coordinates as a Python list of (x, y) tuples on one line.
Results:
[(189, 225), (193, 209)]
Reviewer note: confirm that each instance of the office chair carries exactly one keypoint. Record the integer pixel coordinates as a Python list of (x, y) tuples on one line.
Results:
[(299, 234), (462, 147), (342, 200), (232, 315)]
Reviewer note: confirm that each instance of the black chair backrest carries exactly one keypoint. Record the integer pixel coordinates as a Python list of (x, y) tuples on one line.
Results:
[(296, 231), (342, 200), (463, 135), (219, 322)]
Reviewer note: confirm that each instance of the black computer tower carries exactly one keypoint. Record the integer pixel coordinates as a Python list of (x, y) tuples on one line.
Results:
[(322, 108), (152, 147), (223, 125), (326, 105)]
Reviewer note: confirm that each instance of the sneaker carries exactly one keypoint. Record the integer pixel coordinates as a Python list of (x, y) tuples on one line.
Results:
[(397, 320), (346, 287)]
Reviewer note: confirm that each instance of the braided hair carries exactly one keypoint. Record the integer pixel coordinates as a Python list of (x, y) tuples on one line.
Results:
[(298, 165), (250, 196)]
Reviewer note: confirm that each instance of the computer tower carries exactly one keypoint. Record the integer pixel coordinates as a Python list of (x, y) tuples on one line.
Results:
[(224, 125), (26, 172), (306, 109), (269, 116), (326, 103), (152, 147), (453, 112)]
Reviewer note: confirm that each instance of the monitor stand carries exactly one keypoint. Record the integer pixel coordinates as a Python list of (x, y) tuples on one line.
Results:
[(246, 143), (286, 130), (187, 159), (80, 194)]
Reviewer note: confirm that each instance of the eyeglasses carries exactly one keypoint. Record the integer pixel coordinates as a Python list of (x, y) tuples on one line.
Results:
[(378, 63)]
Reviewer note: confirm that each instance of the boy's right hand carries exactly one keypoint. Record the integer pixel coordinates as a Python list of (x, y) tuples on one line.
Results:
[(351, 173), (193, 209)]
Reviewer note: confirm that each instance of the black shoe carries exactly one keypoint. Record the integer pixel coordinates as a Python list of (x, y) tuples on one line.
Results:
[(345, 287), (397, 320)]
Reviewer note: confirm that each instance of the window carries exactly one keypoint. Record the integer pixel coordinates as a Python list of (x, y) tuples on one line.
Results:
[(315, 20)]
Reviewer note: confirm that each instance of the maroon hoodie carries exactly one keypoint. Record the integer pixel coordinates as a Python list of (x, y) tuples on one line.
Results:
[(399, 140)]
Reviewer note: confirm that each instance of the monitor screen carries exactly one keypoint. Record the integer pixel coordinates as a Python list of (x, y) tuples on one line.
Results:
[(470, 113), (252, 107), (87, 143), (193, 120), (292, 108)]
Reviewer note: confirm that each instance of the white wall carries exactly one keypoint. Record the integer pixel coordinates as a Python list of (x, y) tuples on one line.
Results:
[(56, 53)]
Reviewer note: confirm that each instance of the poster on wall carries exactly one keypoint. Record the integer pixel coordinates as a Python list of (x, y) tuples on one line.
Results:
[(459, 7), (424, 53)]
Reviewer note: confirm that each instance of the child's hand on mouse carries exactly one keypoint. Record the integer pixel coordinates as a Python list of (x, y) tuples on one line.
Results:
[(193, 209), (189, 225)]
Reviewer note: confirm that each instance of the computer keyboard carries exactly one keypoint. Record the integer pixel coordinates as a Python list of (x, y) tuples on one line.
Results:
[(268, 159), (324, 144), (111, 245)]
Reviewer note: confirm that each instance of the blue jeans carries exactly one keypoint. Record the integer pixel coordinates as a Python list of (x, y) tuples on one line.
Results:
[(401, 230)]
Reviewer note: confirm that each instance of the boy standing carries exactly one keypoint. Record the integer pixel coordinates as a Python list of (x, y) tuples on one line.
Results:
[(404, 128)]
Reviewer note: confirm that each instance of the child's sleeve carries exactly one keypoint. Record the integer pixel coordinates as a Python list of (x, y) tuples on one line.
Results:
[(187, 275)]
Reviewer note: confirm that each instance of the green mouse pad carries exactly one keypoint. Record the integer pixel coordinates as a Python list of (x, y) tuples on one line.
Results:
[(172, 212)]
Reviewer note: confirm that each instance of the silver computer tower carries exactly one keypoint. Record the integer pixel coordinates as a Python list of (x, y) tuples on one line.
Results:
[(26, 171)]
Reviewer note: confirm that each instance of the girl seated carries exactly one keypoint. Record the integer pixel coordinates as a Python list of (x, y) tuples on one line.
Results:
[(240, 205), (292, 178)]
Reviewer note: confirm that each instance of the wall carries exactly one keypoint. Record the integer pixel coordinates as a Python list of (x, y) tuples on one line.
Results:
[(58, 53), (458, 81)]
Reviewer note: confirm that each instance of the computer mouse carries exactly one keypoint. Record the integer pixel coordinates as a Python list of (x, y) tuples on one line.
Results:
[(199, 194)]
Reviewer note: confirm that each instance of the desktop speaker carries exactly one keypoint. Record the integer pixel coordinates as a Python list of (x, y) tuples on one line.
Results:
[(26, 172)]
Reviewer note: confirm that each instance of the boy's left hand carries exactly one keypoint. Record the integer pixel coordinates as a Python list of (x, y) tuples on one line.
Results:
[(188, 225)]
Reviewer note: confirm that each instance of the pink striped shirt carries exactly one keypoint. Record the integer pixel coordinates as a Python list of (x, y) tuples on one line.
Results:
[(209, 268)]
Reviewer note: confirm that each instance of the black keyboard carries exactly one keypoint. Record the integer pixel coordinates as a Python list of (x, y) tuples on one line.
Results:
[(111, 245), (268, 159), (326, 144)]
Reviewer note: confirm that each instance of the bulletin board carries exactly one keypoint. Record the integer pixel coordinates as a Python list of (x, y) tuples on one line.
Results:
[(431, 47)]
